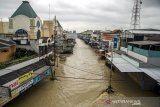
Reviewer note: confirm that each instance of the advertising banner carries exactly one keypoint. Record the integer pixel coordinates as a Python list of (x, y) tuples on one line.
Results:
[(25, 86), (25, 77), (41, 76), (12, 84), (15, 93)]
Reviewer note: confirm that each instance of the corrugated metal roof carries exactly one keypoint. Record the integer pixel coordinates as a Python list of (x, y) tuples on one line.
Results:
[(145, 31), (17, 73), (3, 46), (18, 66), (125, 66), (9, 42), (145, 42), (25, 9)]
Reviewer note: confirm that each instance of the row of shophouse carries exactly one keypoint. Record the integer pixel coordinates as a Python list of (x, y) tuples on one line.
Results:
[(26, 41), (134, 53)]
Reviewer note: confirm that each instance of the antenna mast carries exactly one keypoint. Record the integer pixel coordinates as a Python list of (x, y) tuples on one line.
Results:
[(135, 20)]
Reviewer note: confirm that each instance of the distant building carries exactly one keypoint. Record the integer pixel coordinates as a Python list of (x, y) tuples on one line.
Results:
[(141, 61), (7, 49), (59, 28), (74, 31), (4, 27), (139, 35), (47, 28), (25, 25)]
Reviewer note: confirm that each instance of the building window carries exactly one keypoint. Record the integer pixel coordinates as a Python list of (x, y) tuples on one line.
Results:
[(32, 22), (21, 33), (38, 24), (11, 23)]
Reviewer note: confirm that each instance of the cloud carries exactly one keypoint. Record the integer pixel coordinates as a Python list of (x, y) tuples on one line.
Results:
[(89, 14)]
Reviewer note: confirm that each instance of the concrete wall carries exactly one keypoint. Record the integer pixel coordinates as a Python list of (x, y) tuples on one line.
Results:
[(20, 22), (154, 61), (143, 80), (138, 56)]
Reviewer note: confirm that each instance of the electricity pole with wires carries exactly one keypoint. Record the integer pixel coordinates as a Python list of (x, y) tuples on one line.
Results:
[(54, 50), (109, 90)]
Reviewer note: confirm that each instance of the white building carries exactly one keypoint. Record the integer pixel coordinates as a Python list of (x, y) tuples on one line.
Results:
[(25, 25)]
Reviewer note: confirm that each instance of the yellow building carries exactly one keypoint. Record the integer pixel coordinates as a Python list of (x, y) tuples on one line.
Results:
[(4, 27), (47, 28), (7, 49)]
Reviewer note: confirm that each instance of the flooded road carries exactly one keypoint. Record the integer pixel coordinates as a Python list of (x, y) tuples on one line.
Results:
[(81, 83)]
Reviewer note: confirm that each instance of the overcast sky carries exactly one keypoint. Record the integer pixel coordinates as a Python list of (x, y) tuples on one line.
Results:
[(89, 14)]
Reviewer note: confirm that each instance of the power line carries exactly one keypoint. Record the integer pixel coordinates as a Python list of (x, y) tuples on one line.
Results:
[(83, 70), (90, 79), (80, 78)]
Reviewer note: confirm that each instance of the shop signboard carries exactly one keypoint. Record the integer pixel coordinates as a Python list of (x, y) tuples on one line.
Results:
[(25, 86), (12, 84), (41, 76), (15, 93), (25, 77)]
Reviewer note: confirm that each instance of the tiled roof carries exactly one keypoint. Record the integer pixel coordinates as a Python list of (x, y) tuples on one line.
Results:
[(145, 42), (9, 42), (59, 25), (3, 46), (107, 37), (25, 9)]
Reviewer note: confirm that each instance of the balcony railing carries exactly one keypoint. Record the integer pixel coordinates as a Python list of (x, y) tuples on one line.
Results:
[(147, 53)]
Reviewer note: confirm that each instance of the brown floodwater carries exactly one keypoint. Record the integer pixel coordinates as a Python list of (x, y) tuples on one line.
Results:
[(87, 87)]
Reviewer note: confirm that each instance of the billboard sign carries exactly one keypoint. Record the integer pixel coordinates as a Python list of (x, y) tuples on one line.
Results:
[(25, 86), (41, 76), (12, 84), (15, 92), (25, 77)]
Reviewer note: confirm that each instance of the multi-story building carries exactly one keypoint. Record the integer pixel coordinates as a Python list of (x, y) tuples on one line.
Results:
[(141, 62)]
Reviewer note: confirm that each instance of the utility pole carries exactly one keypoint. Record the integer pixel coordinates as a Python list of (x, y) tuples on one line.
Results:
[(135, 19), (55, 33), (54, 51), (109, 90), (49, 21)]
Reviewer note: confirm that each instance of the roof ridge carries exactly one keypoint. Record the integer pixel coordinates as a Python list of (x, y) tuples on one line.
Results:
[(25, 9)]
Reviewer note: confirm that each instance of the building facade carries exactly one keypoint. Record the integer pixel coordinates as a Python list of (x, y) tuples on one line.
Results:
[(25, 24)]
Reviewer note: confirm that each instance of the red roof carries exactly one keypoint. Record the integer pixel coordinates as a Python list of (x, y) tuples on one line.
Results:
[(107, 37)]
